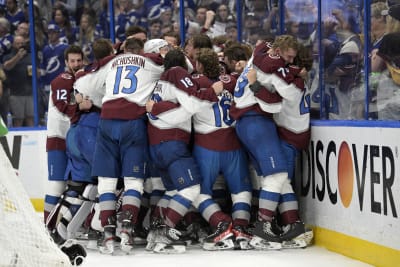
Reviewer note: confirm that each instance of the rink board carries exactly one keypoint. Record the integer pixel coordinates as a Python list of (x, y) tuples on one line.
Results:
[(349, 189), (352, 213)]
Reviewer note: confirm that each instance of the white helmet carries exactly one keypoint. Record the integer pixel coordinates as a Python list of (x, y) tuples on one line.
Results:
[(154, 45)]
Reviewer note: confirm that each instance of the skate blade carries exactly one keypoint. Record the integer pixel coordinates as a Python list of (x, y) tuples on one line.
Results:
[(300, 241), (262, 244), (220, 245), (150, 241), (81, 236), (295, 243), (125, 245), (243, 245), (168, 249), (108, 247), (308, 236), (150, 246)]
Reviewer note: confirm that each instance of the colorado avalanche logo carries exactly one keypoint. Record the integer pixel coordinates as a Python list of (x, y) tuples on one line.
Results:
[(225, 78), (67, 76), (274, 56)]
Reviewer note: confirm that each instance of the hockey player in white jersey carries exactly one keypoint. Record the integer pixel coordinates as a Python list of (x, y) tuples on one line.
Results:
[(62, 108), (257, 131), (80, 142), (173, 103), (293, 126), (217, 150), (121, 146), (59, 191)]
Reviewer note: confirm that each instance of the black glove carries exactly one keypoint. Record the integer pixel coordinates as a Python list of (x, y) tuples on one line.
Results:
[(255, 87)]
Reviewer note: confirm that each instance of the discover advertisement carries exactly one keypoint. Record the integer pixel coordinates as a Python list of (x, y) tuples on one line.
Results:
[(350, 182)]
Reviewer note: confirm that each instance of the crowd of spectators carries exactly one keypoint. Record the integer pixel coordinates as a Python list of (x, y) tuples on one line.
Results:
[(62, 23)]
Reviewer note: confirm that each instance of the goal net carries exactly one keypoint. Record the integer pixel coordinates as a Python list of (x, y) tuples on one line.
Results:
[(24, 240)]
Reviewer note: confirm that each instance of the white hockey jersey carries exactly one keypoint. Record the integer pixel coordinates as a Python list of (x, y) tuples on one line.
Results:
[(294, 119), (92, 86), (177, 99), (213, 125), (61, 109), (126, 81)]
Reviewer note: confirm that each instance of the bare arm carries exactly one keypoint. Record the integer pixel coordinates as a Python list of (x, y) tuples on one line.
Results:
[(10, 64)]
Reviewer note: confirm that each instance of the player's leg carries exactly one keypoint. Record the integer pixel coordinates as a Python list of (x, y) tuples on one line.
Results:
[(82, 220), (163, 190), (235, 170), (294, 233), (221, 237), (135, 156), (259, 136), (106, 166), (158, 188), (142, 225), (73, 197), (80, 142), (255, 182), (108, 216), (55, 186), (185, 177)]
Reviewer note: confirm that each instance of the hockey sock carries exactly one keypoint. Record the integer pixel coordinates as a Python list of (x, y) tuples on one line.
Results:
[(271, 187), (288, 206)]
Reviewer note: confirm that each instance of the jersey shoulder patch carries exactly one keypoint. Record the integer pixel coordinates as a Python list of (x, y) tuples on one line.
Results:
[(196, 75), (225, 78), (67, 76), (274, 56)]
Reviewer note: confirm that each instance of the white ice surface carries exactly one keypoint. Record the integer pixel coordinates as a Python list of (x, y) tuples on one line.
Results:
[(195, 257)]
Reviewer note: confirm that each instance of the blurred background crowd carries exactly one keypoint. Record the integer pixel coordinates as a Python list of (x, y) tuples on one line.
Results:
[(337, 28)]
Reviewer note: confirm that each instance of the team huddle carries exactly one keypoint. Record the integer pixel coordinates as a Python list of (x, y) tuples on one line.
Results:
[(166, 150)]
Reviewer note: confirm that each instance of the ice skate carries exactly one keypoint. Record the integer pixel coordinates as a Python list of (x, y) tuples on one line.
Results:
[(194, 234), (89, 238), (276, 227), (151, 236), (126, 233), (221, 239), (88, 234), (106, 243), (242, 238), (264, 238), (151, 240), (140, 235), (75, 252), (168, 241), (309, 236), (295, 235)]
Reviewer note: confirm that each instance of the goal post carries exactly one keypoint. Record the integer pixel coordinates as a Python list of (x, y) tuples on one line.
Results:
[(24, 240)]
